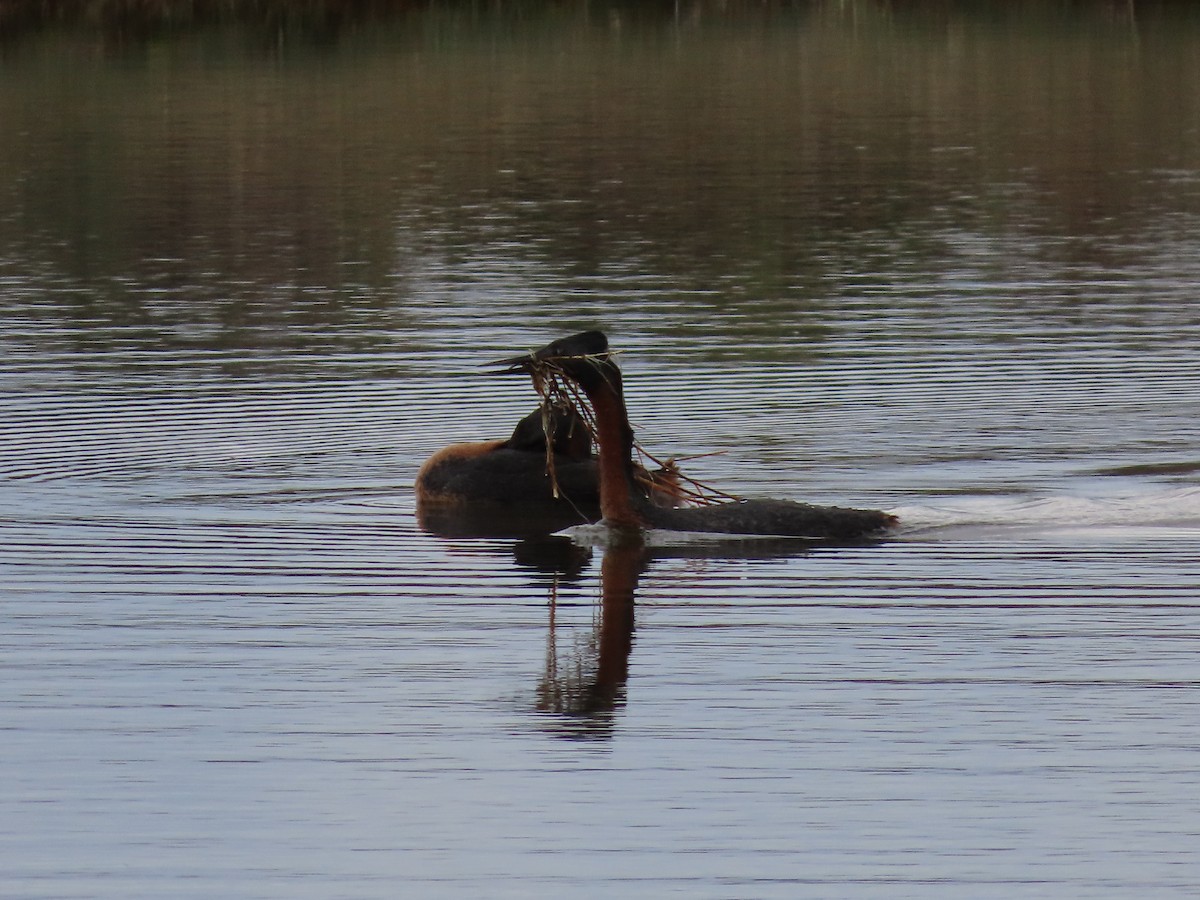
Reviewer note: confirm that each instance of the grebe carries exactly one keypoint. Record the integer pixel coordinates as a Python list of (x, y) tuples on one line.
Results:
[(513, 473), (584, 359), (514, 470)]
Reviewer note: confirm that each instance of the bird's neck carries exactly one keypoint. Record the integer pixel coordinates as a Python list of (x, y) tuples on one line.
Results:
[(615, 438)]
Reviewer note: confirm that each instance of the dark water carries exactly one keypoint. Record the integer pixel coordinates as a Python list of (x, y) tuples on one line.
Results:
[(940, 264)]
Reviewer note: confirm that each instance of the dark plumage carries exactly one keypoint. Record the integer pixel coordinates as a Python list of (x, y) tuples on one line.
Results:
[(585, 359)]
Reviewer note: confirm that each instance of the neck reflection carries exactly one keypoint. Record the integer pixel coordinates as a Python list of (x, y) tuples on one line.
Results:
[(584, 683)]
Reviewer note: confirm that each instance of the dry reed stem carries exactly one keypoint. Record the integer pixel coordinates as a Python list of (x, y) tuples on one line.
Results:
[(558, 391)]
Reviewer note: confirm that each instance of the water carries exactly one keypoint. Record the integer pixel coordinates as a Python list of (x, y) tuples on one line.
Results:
[(932, 263)]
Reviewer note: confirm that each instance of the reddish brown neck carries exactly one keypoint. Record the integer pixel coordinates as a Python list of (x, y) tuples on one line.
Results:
[(615, 438)]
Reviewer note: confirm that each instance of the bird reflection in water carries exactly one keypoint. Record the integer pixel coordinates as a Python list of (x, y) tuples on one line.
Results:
[(586, 686), (583, 685)]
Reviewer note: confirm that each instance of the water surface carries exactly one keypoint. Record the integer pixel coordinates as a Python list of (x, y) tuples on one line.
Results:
[(936, 264)]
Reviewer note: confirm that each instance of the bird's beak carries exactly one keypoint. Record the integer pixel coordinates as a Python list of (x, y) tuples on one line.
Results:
[(517, 365)]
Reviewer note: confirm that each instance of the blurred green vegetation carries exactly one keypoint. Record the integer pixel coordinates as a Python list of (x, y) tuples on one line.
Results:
[(746, 154), (327, 18)]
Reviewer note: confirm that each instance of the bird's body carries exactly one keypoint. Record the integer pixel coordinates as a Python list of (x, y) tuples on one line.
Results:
[(512, 487), (515, 470), (584, 359)]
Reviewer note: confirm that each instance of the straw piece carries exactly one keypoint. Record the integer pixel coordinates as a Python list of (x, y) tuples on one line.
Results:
[(558, 392)]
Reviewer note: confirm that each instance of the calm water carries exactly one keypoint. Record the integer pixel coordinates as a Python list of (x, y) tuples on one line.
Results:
[(937, 264)]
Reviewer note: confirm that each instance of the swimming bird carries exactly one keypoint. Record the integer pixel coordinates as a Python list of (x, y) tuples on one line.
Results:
[(514, 470), (585, 359), (517, 475)]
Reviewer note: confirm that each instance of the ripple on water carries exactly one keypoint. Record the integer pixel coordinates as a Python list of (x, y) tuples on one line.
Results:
[(222, 625)]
